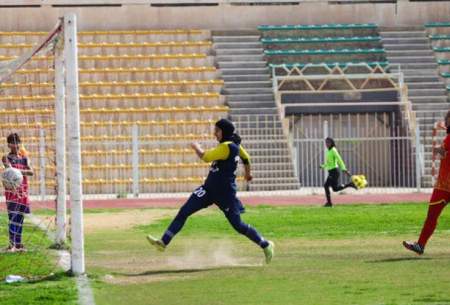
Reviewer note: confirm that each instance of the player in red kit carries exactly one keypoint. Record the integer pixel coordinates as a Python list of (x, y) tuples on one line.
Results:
[(440, 197)]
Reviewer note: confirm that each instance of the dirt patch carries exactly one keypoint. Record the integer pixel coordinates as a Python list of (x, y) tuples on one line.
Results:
[(129, 280), (187, 259), (124, 219)]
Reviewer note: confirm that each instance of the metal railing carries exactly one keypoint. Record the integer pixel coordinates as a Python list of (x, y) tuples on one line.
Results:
[(376, 145)]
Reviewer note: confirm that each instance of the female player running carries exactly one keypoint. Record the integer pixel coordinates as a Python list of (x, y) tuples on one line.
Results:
[(439, 198), (332, 164), (17, 202), (219, 188)]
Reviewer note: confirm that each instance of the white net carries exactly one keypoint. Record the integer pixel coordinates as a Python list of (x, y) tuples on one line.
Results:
[(27, 137)]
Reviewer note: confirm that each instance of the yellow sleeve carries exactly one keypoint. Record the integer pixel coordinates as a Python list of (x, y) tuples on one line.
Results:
[(243, 154), (221, 152)]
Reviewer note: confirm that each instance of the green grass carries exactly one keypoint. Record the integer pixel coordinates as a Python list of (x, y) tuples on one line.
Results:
[(344, 255), (46, 283)]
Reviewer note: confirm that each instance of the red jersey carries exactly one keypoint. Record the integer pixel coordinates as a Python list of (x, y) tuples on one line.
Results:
[(443, 181), (19, 195)]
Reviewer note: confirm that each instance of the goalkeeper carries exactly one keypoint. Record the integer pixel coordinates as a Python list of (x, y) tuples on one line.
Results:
[(17, 201), (332, 164)]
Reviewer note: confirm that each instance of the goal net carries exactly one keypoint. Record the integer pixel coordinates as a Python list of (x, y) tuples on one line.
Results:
[(33, 77)]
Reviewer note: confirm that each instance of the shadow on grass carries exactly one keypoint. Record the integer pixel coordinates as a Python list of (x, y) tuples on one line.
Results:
[(398, 259), (178, 271), (58, 276)]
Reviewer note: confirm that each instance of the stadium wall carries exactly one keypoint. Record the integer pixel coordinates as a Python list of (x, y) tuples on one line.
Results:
[(108, 15)]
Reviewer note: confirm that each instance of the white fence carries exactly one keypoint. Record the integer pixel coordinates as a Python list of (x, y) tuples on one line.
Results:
[(376, 145)]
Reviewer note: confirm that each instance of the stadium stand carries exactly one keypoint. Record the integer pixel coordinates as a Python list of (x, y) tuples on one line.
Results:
[(163, 81)]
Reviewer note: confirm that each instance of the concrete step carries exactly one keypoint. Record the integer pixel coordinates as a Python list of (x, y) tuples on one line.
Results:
[(245, 78), (436, 113), (245, 71), (263, 168), (432, 85), (429, 120), (247, 111), (239, 91), (419, 66), (256, 145), (274, 187), (286, 174), (410, 52), (421, 79), (237, 52), (405, 40), (237, 45), (236, 105), (426, 92), (405, 46), (420, 72), (255, 118), (403, 34), (431, 107), (410, 59), (220, 39), (242, 64), (272, 154), (251, 97), (253, 57), (248, 84), (428, 99), (275, 180)]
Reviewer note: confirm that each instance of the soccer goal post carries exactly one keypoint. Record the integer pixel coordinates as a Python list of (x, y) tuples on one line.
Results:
[(39, 100), (74, 145)]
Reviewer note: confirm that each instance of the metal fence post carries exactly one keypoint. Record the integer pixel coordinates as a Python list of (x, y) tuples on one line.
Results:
[(418, 160), (42, 186), (325, 135), (135, 160)]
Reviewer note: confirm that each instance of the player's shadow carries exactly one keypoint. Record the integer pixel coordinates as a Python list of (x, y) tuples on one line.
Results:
[(176, 271), (397, 259)]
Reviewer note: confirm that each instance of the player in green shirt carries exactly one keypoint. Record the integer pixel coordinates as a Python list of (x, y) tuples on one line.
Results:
[(332, 164)]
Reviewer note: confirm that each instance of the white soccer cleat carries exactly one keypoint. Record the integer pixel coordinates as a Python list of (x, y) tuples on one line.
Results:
[(269, 252), (157, 243)]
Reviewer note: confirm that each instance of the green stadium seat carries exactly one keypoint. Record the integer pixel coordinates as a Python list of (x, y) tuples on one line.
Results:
[(445, 74), (444, 62), (437, 24), (334, 26), (323, 52), (330, 64), (320, 39), (448, 88), (439, 37), (441, 49)]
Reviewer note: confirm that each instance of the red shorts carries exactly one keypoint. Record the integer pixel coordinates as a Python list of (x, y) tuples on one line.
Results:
[(439, 196)]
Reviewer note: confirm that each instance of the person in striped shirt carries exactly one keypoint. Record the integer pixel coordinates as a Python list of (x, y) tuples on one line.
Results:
[(17, 201), (334, 162)]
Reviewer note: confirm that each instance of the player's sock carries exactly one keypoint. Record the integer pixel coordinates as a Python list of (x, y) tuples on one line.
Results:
[(167, 237), (430, 223), (269, 251), (253, 235)]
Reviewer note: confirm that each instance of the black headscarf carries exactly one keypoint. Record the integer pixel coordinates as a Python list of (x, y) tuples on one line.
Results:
[(331, 142), (228, 133)]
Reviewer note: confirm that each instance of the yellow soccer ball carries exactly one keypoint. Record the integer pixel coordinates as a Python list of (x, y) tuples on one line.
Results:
[(360, 181)]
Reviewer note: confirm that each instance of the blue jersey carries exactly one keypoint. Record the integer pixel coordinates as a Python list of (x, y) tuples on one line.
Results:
[(222, 174)]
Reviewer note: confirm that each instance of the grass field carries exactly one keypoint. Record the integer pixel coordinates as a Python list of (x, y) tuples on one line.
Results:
[(345, 255), (46, 284)]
